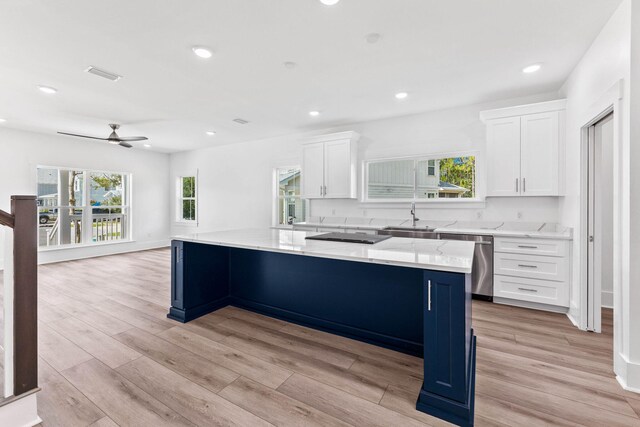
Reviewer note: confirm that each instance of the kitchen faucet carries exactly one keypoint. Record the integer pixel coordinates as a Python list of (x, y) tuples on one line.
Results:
[(413, 214)]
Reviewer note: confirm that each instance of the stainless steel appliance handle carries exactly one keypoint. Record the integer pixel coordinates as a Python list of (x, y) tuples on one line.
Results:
[(528, 290), (483, 243), (429, 295), (527, 266)]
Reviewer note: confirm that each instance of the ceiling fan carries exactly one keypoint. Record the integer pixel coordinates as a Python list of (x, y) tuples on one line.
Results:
[(113, 138)]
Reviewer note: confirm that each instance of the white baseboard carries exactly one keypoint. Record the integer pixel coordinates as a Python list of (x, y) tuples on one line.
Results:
[(607, 299), (629, 374), (93, 251), (22, 412)]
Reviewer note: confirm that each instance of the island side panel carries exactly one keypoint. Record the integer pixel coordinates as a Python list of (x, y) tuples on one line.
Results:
[(199, 279), (449, 355), (376, 303)]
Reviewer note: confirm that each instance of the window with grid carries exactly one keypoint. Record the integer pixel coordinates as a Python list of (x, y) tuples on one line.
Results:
[(290, 206), (80, 206), (187, 200)]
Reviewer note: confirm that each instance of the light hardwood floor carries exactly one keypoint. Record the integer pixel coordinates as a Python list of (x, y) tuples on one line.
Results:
[(109, 356)]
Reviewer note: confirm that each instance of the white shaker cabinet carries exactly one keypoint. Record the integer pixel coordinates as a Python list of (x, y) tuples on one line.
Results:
[(313, 170), (329, 166), (525, 149), (540, 149), (503, 157)]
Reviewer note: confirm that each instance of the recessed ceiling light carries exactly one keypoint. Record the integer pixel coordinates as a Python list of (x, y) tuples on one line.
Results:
[(314, 113), (210, 133), (401, 95), (531, 68), (290, 65), (3, 120), (329, 2), (147, 145), (202, 52), (372, 38), (47, 89)]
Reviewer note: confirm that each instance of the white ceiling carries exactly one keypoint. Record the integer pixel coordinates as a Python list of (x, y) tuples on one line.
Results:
[(444, 53)]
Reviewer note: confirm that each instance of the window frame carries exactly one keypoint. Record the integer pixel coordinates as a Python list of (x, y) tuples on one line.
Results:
[(478, 200), (179, 219), (87, 209), (276, 197)]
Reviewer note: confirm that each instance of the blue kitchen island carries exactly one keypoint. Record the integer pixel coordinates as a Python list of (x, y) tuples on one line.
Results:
[(409, 295)]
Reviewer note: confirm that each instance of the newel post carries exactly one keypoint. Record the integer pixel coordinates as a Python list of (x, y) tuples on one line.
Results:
[(25, 272)]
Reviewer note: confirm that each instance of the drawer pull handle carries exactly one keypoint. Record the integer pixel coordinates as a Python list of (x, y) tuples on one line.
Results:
[(528, 290), (429, 296), (527, 247), (527, 266)]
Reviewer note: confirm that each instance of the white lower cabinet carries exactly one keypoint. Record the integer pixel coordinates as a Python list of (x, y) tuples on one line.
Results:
[(532, 271)]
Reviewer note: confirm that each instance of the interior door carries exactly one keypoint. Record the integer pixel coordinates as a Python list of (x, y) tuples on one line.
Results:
[(599, 221), (313, 170), (337, 169), (539, 153), (503, 157)]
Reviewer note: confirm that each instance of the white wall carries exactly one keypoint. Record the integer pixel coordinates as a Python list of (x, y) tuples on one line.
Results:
[(21, 152), (607, 62), (236, 181)]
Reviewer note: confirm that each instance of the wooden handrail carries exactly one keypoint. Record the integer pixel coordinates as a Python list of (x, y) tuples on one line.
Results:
[(6, 219)]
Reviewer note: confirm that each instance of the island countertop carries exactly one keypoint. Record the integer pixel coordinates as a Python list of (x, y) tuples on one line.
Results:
[(439, 255)]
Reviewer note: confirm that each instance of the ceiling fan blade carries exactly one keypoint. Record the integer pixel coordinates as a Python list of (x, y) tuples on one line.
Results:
[(131, 138), (125, 144), (82, 136)]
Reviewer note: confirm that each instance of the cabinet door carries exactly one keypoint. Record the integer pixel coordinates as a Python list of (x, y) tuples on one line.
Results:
[(312, 170), (539, 151), (338, 174), (446, 335), (503, 157)]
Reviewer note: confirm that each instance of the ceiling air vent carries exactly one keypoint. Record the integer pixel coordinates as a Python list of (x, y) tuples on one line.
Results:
[(102, 73), (241, 121)]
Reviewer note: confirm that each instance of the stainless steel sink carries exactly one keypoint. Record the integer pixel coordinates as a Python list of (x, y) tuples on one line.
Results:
[(411, 232)]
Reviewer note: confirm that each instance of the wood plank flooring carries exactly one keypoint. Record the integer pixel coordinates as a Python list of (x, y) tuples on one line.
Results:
[(109, 356)]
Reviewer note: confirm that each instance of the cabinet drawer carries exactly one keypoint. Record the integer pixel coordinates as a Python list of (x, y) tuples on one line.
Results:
[(557, 248), (540, 291), (531, 266)]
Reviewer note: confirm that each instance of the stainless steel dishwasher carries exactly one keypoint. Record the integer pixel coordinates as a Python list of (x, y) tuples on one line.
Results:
[(482, 273)]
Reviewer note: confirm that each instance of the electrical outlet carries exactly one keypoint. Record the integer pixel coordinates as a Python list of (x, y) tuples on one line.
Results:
[(479, 215), (519, 215), (364, 212), (333, 212)]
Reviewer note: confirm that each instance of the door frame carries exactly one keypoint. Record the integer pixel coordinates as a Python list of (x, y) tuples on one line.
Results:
[(610, 102)]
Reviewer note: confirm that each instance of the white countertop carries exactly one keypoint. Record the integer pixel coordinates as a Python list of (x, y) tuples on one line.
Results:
[(440, 255), (540, 230)]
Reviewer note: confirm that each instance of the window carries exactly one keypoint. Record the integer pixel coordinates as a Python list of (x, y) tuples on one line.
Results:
[(78, 206), (289, 205), (187, 200), (421, 178)]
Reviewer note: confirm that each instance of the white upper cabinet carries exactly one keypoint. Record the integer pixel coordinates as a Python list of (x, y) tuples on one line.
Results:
[(525, 149), (313, 170), (539, 148), (329, 166), (503, 157)]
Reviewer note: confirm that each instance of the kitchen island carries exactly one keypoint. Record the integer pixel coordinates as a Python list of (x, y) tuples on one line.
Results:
[(410, 295)]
